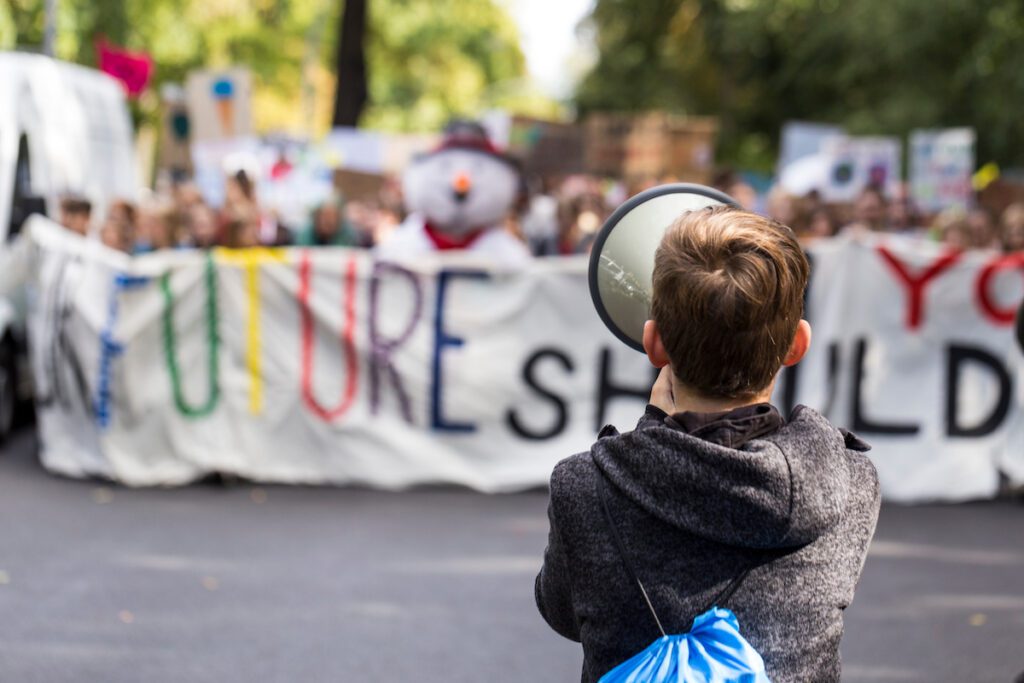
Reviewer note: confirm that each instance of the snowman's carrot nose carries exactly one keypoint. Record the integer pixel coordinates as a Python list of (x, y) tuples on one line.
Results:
[(461, 184)]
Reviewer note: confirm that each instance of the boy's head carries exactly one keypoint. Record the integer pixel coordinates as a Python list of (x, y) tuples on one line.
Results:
[(727, 302)]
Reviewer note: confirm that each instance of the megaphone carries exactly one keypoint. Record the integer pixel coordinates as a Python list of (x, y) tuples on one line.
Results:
[(622, 258)]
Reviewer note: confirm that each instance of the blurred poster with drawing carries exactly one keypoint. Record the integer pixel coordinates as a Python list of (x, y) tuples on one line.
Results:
[(856, 162), (174, 153), (941, 164), (219, 103)]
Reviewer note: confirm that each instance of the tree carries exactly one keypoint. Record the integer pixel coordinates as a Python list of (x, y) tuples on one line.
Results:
[(434, 59), (423, 61), (350, 65), (874, 66)]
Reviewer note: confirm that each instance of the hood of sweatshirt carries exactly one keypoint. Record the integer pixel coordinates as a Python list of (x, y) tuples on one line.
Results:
[(779, 490)]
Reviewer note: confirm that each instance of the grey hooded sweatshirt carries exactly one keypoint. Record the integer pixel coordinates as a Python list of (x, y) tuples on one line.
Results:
[(698, 499)]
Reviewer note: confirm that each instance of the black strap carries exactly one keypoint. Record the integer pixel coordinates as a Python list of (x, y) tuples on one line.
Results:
[(724, 595), (602, 484)]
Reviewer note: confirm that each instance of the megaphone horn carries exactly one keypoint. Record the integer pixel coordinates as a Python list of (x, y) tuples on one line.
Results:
[(622, 258)]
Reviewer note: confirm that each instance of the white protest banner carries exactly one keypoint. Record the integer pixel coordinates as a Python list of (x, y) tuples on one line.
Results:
[(941, 164), (327, 366)]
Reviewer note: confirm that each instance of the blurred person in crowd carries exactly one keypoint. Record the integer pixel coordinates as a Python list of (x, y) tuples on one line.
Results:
[(118, 231), (282, 166), (981, 230), (75, 213), (579, 220), (783, 207), (155, 228), (903, 215), (950, 227), (820, 224), (122, 211), (186, 195), (203, 231), (239, 190), (273, 232), (744, 194), (328, 227), (242, 211), (538, 221), (731, 183), (241, 227), (1011, 228), (870, 210), (387, 218), (361, 218)]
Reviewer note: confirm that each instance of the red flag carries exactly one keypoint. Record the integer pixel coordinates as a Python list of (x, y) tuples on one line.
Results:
[(134, 69)]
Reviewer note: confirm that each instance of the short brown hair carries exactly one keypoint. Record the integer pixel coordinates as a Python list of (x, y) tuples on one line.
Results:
[(728, 295)]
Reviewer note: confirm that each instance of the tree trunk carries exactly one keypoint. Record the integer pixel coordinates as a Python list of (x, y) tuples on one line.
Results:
[(350, 93)]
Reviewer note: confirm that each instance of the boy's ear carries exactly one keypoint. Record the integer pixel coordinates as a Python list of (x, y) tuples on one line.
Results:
[(801, 342), (653, 345)]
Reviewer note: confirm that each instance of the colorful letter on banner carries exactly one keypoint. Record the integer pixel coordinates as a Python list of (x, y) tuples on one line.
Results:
[(382, 348), (347, 340), (110, 348), (212, 338), (250, 260)]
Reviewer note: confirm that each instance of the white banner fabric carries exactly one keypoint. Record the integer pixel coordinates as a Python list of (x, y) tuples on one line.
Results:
[(326, 366)]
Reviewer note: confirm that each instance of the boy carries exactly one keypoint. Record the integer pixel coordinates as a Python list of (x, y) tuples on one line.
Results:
[(714, 485)]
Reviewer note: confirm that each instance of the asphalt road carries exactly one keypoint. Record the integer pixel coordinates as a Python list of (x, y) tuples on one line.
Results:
[(245, 583)]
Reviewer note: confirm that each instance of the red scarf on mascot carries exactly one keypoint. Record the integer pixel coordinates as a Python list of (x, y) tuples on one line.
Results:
[(445, 242)]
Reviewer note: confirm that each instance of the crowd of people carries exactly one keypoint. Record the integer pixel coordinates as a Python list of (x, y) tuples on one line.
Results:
[(554, 218), (874, 211), (181, 218)]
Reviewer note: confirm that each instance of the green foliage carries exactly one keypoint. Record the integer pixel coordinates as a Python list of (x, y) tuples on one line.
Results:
[(21, 23), (875, 66), (428, 59)]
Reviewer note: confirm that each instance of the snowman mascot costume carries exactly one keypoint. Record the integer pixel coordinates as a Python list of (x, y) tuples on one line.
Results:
[(458, 197)]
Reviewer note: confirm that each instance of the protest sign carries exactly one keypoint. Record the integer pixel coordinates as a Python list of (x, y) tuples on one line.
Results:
[(801, 139), (353, 149), (328, 366), (941, 164), (856, 162), (219, 103)]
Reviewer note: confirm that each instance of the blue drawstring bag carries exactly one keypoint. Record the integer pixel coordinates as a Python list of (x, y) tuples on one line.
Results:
[(713, 651)]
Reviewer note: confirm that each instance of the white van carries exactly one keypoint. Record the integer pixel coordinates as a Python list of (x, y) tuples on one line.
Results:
[(64, 130)]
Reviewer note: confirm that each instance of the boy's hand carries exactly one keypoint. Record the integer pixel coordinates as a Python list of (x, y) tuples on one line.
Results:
[(661, 394)]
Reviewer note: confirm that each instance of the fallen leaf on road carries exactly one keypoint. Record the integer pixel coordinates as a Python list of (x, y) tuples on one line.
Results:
[(102, 495)]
